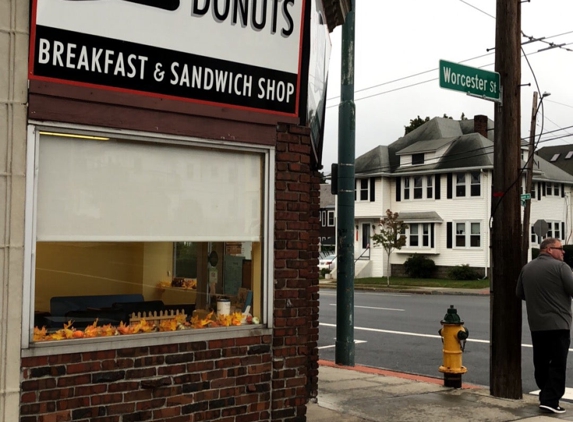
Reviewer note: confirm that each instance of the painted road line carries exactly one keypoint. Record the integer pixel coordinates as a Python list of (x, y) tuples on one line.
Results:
[(405, 333), (333, 293), (373, 307), (330, 346), (567, 396)]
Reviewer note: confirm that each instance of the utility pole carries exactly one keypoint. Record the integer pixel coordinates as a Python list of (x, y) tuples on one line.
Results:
[(528, 181), (505, 307), (344, 346)]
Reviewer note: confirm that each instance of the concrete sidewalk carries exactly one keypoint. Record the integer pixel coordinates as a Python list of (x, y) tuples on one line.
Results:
[(358, 394)]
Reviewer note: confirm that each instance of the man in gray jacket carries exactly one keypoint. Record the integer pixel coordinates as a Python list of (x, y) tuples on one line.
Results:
[(546, 285)]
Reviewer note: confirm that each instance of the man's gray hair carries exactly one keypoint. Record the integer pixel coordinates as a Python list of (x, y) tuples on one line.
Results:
[(548, 243)]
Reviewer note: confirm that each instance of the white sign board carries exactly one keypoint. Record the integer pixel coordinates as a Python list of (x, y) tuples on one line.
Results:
[(239, 53), (320, 47)]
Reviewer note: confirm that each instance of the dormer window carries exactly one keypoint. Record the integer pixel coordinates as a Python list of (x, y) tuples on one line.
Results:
[(417, 159)]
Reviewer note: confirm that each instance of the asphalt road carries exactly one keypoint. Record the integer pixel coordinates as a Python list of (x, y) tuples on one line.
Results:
[(400, 332)]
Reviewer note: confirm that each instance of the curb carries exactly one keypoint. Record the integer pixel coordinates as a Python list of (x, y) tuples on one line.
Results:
[(389, 373), (413, 290)]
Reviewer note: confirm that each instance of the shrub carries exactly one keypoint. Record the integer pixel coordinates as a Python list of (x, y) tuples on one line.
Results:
[(324, 271), (419, 266), (462, 272)]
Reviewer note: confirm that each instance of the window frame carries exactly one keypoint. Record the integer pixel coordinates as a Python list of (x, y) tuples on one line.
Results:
[(406, 188), (467, 235), (411, 192), (330, 213), (552, 189), (424, 235), (418, 159), (31, 348), (364, 189)]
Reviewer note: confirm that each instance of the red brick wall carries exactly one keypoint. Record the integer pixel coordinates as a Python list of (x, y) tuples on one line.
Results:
[(259, 378), (223, 380), (295, 353)]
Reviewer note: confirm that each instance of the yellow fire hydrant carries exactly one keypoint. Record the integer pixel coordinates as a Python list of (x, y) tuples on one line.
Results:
[(454, 336)]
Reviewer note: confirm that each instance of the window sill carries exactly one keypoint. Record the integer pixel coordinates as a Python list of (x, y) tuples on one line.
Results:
[(56, 347), (425, 251)]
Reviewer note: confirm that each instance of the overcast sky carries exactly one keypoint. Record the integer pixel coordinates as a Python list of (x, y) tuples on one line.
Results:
[(399, 45)]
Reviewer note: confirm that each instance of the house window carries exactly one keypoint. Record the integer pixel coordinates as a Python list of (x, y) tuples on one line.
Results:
[(417, 159), (555, 157), (475, 183), (554, 229), (113, 226), (429, 187), (330, 218), (422, 187), (552, 189), (364, 189), (414, 239), (460, 184), (468, 234), (420, 235), (418, 188), (534, 238), (533, 193)]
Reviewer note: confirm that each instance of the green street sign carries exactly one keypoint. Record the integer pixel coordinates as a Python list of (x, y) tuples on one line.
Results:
[(473, 81), (525, 196)]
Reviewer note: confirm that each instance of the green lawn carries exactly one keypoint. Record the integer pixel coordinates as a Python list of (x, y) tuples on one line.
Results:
[(404, 282)]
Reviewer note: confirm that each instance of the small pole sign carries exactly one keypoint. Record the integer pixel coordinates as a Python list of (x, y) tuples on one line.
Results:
[(471, 80)]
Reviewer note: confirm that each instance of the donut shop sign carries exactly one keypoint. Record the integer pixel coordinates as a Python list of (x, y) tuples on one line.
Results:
[(236, 53)]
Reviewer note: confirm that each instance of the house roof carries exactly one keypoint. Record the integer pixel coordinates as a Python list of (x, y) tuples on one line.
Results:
[(467, 149), (436, 129), (550, 171), (420, 216), (564, 163), (374, 161), (427, 146)]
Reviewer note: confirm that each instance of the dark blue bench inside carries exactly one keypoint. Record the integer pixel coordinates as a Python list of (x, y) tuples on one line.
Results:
[(84, 310), (61, 305)]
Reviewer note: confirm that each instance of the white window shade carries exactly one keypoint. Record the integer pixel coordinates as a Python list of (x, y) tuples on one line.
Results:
[(129, 191)]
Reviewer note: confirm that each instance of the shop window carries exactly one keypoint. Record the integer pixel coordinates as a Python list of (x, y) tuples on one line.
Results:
[(140, 238)]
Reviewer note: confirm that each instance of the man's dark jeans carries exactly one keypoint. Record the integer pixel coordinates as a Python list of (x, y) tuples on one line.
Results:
[(550, 350)]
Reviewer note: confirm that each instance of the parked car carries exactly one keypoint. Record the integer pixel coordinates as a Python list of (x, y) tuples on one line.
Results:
[(327, 263)]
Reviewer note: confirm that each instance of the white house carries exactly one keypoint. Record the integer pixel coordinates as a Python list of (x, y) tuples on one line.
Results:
[(439, 179)]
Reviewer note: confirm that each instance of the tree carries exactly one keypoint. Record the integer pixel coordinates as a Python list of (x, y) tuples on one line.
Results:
[(415, 123), (418, 121), (391, 237)]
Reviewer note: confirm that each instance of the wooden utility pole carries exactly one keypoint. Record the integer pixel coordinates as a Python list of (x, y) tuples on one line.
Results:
[(505, 307), (528, 181)]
